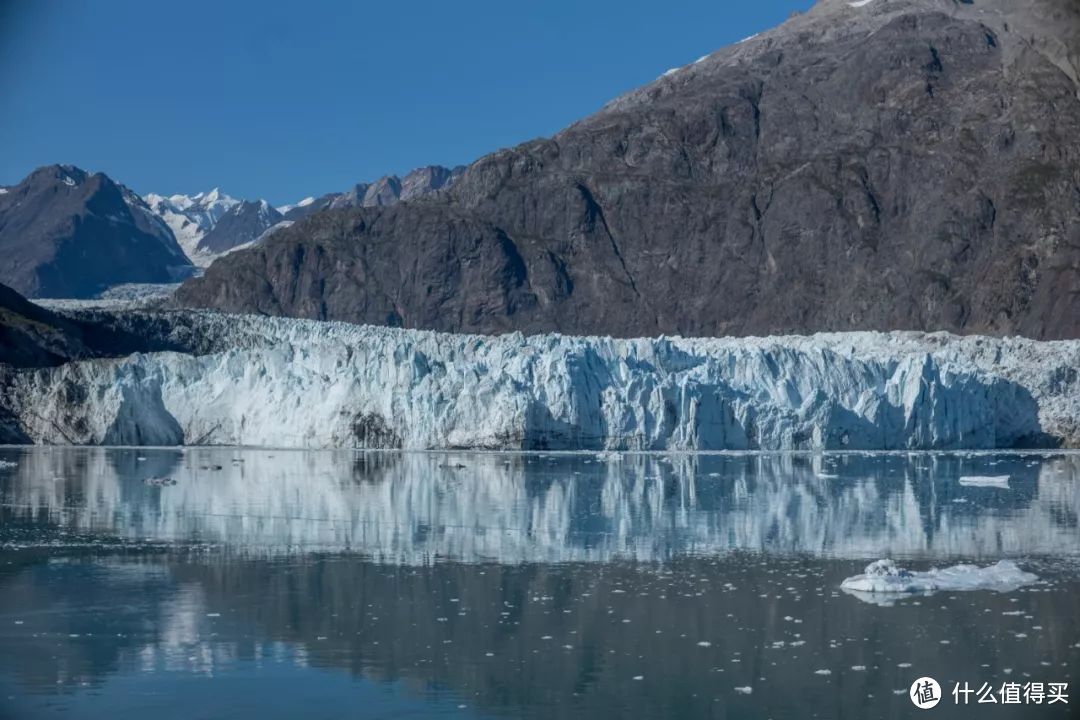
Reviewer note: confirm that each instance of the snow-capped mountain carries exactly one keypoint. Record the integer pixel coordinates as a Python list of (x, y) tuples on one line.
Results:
[(209, 224)]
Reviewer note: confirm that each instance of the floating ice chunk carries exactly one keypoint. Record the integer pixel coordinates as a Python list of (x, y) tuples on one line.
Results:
[(882, 577), (992, 481), (745, 690)]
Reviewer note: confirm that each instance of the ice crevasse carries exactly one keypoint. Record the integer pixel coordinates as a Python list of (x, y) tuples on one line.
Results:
[(294, 383)]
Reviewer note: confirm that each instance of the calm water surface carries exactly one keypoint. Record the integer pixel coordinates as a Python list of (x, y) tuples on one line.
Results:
[(278, 584)]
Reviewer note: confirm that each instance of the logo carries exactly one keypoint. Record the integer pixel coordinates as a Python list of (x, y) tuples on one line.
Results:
[(925, 693)]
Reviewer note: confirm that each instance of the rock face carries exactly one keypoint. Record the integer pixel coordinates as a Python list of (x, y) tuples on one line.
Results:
[(910, 164), (387, 190), (68, 233), (31, 336), (246, 380)]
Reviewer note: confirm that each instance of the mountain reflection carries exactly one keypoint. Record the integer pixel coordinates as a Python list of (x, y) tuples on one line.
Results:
[(411, 509)]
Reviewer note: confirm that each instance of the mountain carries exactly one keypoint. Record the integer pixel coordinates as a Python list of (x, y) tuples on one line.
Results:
[(68, 233), (891, 164), (209, 224), (387, 190)]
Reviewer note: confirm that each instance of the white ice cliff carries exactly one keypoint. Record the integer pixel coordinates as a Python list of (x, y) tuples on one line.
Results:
[(293, 383)]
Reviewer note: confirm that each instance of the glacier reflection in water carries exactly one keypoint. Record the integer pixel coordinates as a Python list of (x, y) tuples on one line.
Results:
[(412, 508)]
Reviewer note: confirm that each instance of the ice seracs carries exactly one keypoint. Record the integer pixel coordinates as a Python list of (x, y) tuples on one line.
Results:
[(251, 380)]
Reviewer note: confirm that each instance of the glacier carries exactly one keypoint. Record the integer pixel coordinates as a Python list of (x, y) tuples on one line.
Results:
[(262, 381)]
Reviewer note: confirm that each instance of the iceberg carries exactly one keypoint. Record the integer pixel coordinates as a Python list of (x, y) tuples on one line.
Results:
[(264, 381), (883, 577), (1000, 482)]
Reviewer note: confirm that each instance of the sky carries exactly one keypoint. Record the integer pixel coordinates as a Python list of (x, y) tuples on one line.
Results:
[(282, 100)]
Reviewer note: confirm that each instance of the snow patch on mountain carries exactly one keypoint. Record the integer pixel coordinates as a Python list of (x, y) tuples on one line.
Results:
[(302, 204), (293, 383)]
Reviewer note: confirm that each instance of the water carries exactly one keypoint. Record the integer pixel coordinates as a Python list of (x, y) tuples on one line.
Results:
[(278, 584)]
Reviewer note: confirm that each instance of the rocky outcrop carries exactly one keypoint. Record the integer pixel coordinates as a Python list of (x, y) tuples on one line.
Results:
[(387, 190), (245, 380), (910, 164), (68, 233)]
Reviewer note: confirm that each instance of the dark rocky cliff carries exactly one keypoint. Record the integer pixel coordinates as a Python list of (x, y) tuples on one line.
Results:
[(909, 164)]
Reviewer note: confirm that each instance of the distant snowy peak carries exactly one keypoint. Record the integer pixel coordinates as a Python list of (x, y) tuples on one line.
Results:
[(302, 204), (209, 223)]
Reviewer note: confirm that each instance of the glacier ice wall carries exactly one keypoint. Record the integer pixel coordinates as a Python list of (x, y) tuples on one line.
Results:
[(293, 383)]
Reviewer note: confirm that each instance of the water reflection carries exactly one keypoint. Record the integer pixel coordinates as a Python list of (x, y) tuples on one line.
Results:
[(287, 584), (413, 508)]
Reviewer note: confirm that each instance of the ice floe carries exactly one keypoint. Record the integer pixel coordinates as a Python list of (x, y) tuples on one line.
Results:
[(883, 578), (991, 481)]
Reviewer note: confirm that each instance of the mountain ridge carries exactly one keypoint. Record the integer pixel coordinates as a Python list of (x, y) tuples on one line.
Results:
[(905, 164)]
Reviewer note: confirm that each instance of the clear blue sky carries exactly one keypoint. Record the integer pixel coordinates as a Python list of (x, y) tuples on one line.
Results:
[(281, 100)]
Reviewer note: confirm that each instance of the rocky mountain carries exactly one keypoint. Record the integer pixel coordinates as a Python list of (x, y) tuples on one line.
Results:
[(386, 190), (883, 164), (65, 232)]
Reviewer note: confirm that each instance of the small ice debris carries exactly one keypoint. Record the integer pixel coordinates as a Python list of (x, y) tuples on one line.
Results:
[(545, 637), (745, 690), (1000, 482), (213, 614), (858, 668), (4, 464), (639, 677), (885, 578), (608, 456), (159, 481), (828, 476), (704, 643), (823, 671)]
